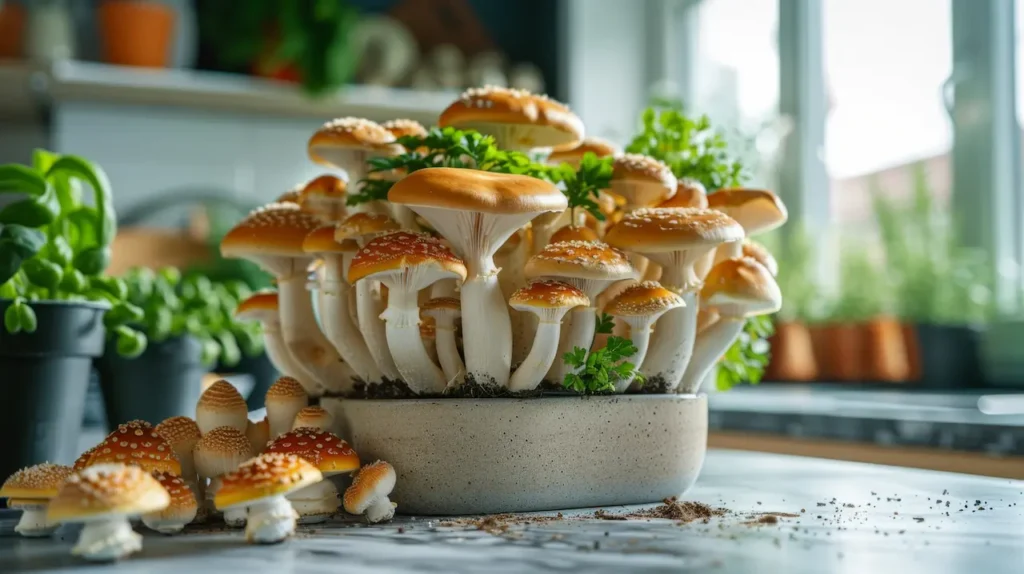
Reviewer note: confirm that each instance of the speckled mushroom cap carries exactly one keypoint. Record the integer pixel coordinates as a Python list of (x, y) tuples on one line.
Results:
[(324, 187), (348, 133), (37, 482), (374, 480), (547, 294), (741, 288), (760, 254), (689, 193), (642, 180), (262, 307), (267, 475), (322, 241), (574, 233), (573, 156), (402, 127), (221, 405), (478, 191), (364, 225), (442, 306), (287, 390), (290, 196), (555, 126), (321, 448), (183, 505), (182, 433), (104, 491), (646, 299), (221, 450), (757, 210), (258, 434), (661, 230), (400, 250), (313, 417), (83, 459), (136, 443), (276, 229), (581, 260)]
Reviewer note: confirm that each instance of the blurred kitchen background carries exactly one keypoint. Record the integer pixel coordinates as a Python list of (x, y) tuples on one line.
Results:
[(891, 128)]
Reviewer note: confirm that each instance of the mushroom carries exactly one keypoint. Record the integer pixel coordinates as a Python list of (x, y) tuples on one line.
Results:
[(313, 417), (348, 143), (182, 434), (477, 212), (258, 489), (104, 497), (258, 434), (83, 459), (641, 181), (30, 490), (403, 128), (689, 193), (639, 306), (333, 301), (676, 239), (407, 262), (738, 289), (221, 405), (706, 318), (428, 334), (293, 195), (516, 119), (180, 511), (218, 452), (331, 456), (510, 259), (362, 227), (591, 267), (369, 492), (272, 237), (549, 301), (574, 233), (760, 254), (324, 197), (573, 156), (136, 443), (756, 210), (545, 225), (264, 307), (284, 400), (445, 311)]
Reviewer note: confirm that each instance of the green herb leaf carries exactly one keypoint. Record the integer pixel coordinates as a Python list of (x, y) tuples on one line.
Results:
[(582, 186), (598, 371), (605, 324)]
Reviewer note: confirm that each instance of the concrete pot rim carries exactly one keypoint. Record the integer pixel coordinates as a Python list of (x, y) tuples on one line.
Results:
[(506, 401)]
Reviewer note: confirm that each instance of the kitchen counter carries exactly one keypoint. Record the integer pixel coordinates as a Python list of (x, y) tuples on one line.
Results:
[(848, 518)]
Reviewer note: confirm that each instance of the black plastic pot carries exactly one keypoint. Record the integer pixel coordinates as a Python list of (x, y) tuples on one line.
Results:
[(164, 381), (43, 380), (949, 356), (261, 370)]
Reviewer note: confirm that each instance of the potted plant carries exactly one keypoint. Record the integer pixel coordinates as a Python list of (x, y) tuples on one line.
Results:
[(136, 32), (792, 346), (57, 304), (13, 23), (188, 322)]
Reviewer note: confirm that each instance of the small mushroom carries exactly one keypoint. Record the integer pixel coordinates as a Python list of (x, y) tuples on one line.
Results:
[(369, 492), (348, 143), (221, 405), (182, 434), (689, 193), (313, 417), (573, 156), (218, 452), (331, 456), (179, 512), (265, 308), (574, 233), (761, 254), (517, 119), (30, 490), (756, 210), (258, 434), (639, 306), (104, 497), (403, 128), (549, 301), (324, 197), (258, 488), (284, 399), (136, 443), (445, 311)]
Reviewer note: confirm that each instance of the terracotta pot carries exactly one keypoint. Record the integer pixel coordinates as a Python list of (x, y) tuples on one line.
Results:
[(912, 344), (136, 33), (792, 354), (264, 67), (839, 351), (885, 354), (13, 21)]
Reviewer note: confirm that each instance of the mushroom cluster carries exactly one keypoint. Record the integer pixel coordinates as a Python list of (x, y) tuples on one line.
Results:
[(461, 274)]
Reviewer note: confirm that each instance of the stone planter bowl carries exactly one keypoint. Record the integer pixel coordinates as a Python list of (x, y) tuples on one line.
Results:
[(484, 456)]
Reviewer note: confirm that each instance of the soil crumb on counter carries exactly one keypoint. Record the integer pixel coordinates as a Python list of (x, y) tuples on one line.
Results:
[(498, 523), (670, 509)]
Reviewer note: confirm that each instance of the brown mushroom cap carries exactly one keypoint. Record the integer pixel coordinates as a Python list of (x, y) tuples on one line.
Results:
[(757, 210), (761, 254), (274, 229), (286, 389), (660, 230), (630, 169), (373, 480), (741, 288), (37, 482), (644, 299), (349, 133), (313, 417), (363, 225), (221, 405), (475, 190), (221, 450), (547, 294), (689, 193), (182, 433), (556, 126), (581, 260), (261, 307), (183, 506), (267, 475), (403, 249), (321, 448), (322, 241), (573, 233), (136, 443), (402, 127), (573, 156), (107, 490), (324, 187)]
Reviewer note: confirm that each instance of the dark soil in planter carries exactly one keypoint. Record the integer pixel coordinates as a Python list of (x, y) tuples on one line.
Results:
[(44, 382), (653, 386), (387, 389)]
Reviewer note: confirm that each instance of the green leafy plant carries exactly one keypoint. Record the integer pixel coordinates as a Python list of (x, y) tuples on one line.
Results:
[(605, 324), (583, 184), (795, 249), (54, 246), (174, 305), (598, 371), (746, 360), (864, 290)]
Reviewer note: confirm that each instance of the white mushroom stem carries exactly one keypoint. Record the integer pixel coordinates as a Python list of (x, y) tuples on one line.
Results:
[(107, 539), (402, 318), (281, 358), (710, 346), (404, 216), (234, 516), (448, 351), (307, 344), (582, 323), (32, 523), (380, 509), (512, 278), (315, 503), (672, 344), (640, 336), (543, 352), (270, 520), (368, 311), (335, 316)]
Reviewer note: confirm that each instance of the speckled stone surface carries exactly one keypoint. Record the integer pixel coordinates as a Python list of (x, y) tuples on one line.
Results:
[(468, 456), (858, 519)]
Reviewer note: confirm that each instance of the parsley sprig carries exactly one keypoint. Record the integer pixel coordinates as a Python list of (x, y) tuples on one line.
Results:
[(583, 185), (747, 358), (598, 371), (605, 324)]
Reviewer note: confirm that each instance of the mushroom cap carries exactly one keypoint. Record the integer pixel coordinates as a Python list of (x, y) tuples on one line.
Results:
[(323, 449), (581, 260), (221, 450), (635, 168), (261, 307), (547, 294), (258, 434), (573, 156), (757, 210), (274, 229), (324, 187), (555, 125), (439, 306), (479, 191), (761, 254), (136, 443), (40, 481), (364, 224), (644, 299), (313, 417), (290, 196), (400, 250), (322, 241), (741, 288), (661, 230), (374, 480), (183, 506), (348, 133), (182, 433), (574, 233), (105, 491), (267, 475), (221, 404), (286, 390), (402, 127), (689, 193), (83, 459)]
